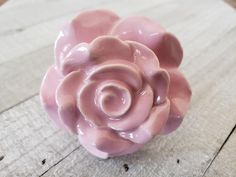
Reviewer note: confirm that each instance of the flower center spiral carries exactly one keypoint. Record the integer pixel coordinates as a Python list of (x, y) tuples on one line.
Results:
[(113, 98)]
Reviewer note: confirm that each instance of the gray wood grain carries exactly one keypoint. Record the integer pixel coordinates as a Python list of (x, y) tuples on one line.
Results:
[(31, 146), (33, 25), (20, 78), (27, 137)]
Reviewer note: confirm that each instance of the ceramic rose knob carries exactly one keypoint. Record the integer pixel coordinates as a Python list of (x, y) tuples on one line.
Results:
[(115, 82)]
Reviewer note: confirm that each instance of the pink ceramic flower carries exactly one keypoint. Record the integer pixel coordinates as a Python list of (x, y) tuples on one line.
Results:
[(115, 82)]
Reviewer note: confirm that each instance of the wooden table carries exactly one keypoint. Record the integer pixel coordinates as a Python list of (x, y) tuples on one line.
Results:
[(205, 144)]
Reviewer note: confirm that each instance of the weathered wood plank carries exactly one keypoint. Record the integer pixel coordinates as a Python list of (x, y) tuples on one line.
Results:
[(21, 77), (46, 10), (27, 138), (28, 29), (225, 163)]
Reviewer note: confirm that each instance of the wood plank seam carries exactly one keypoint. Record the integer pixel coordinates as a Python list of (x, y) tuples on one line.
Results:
[(77, 148), (26, 153), (20, 102), (218, 152)]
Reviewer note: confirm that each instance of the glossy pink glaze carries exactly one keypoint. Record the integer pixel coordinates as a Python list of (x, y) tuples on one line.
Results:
[(115, 82)]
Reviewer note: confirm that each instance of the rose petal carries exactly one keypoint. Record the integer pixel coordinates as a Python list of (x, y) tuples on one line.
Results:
[(145, 59), (84, 55), (138, 112), (113, 98), (179, 96), (103, 140), (118, 70), (168, 50), (149, 65), (66, 99), (92, 149), (77, 58), (65, 41), (87, 107), (139, 29), (171, 125), (109, 47), (108, 141), (160, 84), (84, 28), (151, 34), (179, 93), (151, 127), (91, 24), (47, 93)]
